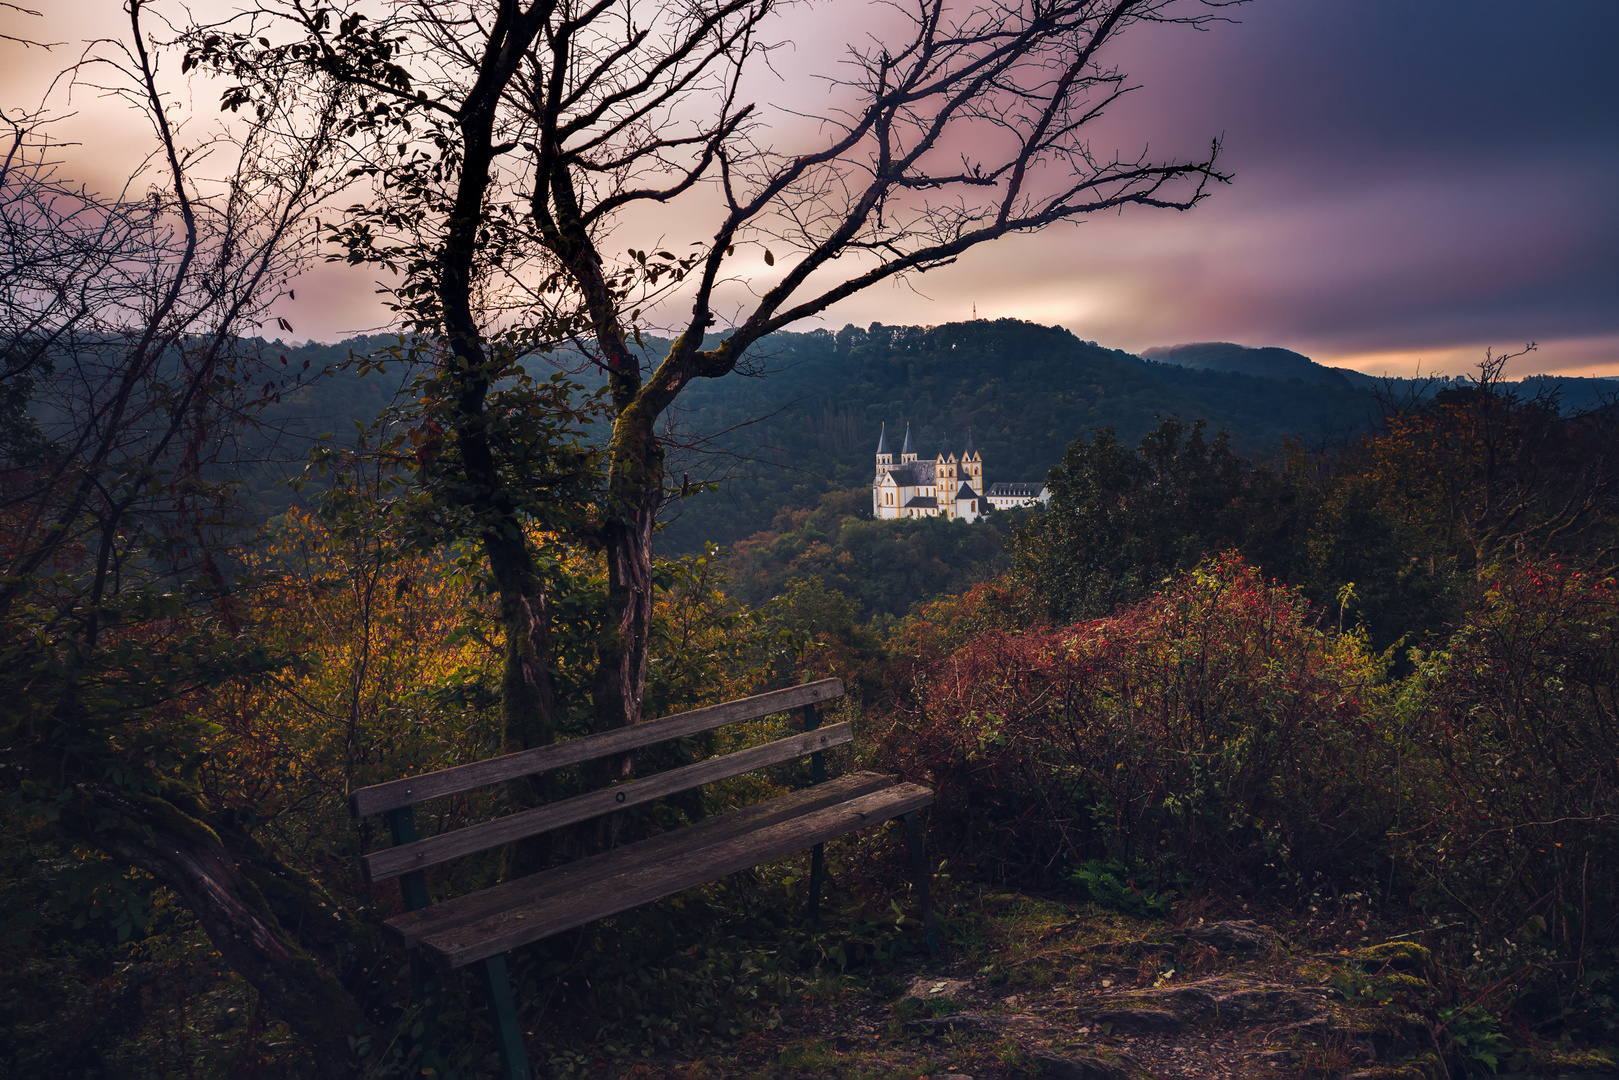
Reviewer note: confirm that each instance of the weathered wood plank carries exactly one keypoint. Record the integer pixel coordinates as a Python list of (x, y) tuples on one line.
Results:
[(597, 899), (405, 858), (409, 928), (453, 781)]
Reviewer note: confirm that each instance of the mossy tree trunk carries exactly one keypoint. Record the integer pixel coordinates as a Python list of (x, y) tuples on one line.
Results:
[(274, 927)]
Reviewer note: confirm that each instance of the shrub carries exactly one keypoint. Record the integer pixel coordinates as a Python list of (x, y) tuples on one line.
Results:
[(1212, 729), (1518, 818)]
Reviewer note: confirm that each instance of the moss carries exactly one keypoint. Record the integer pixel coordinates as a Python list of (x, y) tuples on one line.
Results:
[(1401, 982), (1406, 955), (1581, 1063), (1391, 1072), (169, 817)]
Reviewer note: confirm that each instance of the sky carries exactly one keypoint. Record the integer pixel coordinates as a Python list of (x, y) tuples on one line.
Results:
[(1415, 181)]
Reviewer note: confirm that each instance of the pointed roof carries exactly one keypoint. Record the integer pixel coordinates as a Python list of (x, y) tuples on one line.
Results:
[(909, 447), (965, 491), (945, 454), (968, 451), (882, 441)]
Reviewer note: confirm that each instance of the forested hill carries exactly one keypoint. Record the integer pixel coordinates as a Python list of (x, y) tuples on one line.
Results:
[(1025, 391), (806, 422)]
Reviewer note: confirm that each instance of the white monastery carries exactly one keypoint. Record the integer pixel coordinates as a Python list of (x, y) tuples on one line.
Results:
[(947, 486)]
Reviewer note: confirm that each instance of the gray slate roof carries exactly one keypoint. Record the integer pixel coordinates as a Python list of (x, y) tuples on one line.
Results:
[(1015, 491), (923, 502), (914, 474)]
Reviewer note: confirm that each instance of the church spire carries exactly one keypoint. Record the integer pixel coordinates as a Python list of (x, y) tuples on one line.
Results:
[(882, 442), (968, 451), (908, 451)]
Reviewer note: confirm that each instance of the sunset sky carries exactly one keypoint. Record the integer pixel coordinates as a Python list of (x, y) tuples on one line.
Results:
[(1416, 180)]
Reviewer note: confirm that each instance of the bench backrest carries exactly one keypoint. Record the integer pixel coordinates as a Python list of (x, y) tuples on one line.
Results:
[(415, 855)]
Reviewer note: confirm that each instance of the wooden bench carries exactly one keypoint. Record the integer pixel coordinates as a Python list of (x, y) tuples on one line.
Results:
[(480, 927)]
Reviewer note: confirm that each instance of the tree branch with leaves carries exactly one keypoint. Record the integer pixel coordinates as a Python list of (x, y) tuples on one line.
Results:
[(509, 142)]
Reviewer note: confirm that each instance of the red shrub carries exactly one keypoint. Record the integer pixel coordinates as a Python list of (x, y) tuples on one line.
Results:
[(1213, 728)]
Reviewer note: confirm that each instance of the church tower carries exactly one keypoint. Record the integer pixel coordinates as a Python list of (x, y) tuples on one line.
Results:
[(944, 480), (907, 453), (882, 492), (972, 466)]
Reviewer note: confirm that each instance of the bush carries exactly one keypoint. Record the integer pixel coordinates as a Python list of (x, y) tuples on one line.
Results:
[(1515, 724), (1212, 730)]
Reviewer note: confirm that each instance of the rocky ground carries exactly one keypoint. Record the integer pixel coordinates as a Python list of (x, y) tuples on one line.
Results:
[(1038, 988)]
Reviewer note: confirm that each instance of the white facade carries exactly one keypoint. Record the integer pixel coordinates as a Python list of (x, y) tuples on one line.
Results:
[(1006, 496), (948, 486)]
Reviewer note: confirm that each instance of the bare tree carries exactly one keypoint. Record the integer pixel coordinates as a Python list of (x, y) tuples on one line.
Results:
[(511, 140), (124, 374)]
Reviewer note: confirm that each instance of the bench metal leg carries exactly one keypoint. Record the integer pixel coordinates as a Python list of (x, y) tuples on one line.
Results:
[(508, 1037), (812, 720), (817, 876), (423, 979), (919, 866)]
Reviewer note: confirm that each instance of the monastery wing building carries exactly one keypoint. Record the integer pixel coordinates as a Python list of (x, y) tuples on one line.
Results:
[(947, 486)]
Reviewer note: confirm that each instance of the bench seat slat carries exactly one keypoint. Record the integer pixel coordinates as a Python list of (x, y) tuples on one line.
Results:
[(404, 858), (595, 899), (410, 927), (396, 794)]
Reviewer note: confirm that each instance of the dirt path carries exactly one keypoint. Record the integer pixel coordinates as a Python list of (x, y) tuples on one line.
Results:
[(1034, 991)]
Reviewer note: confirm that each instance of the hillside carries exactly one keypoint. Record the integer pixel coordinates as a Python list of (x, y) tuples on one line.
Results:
[(1025, 391), (1267, 363), (804, 419)]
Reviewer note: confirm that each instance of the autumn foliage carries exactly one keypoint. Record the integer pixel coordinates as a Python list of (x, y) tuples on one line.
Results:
[(1212, 727), (1225, 738), (1517, 817)]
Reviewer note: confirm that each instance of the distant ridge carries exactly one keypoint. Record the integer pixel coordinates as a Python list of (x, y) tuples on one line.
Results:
[(1266, 363), (1574, 393)]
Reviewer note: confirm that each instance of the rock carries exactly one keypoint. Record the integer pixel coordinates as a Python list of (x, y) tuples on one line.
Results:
[(1270, 1002), (931, 1027), (1314, 1028), (927, 986), (1150, 1021), (1187, 1002), (1231, 935), (1076, 1067)]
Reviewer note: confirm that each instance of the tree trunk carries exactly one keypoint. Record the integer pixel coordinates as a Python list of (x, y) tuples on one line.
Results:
[(215, 885), (635, 489), (526, 692)]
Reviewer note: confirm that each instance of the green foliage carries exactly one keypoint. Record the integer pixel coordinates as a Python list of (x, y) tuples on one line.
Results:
[(883, 567), (1474, 1035), (1025, 391), (1513, 727), (1113, 884), (1122, 524)]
